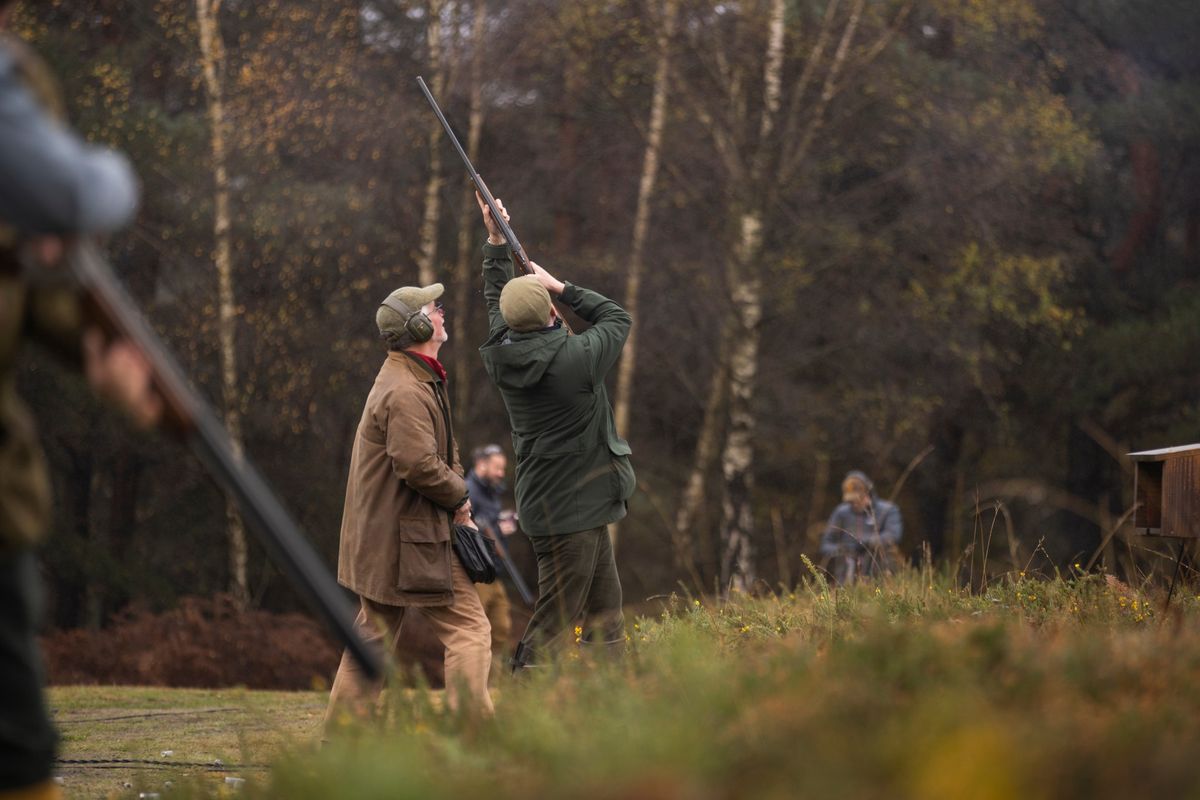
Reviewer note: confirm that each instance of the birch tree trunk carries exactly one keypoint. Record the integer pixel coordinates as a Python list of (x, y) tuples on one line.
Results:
[(737, 460), (469, 226), (212, 50), (426, 258), (641, 222)]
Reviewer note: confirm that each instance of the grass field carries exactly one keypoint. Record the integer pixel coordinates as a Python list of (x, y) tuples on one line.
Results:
[(195, 725), (1070, 687)]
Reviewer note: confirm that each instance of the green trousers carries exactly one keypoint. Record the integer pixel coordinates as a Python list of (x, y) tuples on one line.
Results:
[(27, 739), (578, 586)]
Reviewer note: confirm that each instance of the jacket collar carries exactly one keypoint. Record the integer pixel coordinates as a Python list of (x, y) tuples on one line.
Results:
[(419, 369), (550, 334)]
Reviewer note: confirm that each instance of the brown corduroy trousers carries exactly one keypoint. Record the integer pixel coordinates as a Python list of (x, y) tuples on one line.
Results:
[(463, 630)]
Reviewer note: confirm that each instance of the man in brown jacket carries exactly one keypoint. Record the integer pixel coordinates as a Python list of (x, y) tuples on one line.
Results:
[(404, 491)]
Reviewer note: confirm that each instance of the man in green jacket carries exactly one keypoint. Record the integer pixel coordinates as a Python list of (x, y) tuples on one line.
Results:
[(573, 472)]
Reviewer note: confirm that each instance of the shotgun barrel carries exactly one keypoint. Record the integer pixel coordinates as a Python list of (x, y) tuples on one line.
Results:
[(519, 255), (190, 417)]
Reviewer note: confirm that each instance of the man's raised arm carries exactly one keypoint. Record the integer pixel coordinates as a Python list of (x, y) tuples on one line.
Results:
[(610, 323), (610, 326), (497, 265)]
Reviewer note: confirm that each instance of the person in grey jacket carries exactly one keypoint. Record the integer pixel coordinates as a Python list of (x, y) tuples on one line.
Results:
[(863, 531)]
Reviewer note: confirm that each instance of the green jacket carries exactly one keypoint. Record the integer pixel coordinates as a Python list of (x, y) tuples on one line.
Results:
[(573, 471)]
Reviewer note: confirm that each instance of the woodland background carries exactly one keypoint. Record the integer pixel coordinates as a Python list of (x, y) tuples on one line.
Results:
[(954, 243)]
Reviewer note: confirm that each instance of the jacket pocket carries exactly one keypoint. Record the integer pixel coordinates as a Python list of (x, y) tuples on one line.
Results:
[(424, 567), (624, 481), (424, 528)]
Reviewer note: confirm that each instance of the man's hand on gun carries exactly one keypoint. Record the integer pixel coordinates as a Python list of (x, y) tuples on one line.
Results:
[(552, 284), (116, 369), (118, 372), (495, 236)]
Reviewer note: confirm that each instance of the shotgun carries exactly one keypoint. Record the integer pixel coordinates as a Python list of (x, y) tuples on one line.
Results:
[(510, 567), (189, 417), (520, 258)]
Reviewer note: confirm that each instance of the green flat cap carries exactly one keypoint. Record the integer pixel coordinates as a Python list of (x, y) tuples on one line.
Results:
[(391, 322), (525, 304)]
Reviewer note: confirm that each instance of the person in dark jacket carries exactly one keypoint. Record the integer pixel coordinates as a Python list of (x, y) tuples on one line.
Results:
[(53, 186), (485, 485), (573, 474), (863, 531)]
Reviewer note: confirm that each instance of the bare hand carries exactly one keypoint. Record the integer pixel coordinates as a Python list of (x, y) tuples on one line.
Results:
[(462, 515), (507, 526), (119, 372), (493, 228), (47, 250), (553, 285)]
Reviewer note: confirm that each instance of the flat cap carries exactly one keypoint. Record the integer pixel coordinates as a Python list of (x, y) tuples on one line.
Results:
[(525, 304), (391, 322)]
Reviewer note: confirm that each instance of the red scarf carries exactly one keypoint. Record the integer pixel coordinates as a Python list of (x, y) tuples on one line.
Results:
[(434, 365)]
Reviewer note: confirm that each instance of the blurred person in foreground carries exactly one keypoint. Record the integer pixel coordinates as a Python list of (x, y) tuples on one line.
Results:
[(53, 187), (861, 537), (404, 492), (485, 487), (573, 472)]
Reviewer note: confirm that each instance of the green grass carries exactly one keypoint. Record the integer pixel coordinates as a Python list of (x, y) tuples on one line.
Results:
[(910, 688), (197, 725)]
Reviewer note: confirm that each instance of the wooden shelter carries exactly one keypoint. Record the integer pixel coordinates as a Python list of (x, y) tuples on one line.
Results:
[(1166, 487)]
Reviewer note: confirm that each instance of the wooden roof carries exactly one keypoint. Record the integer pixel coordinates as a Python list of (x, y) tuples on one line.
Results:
[(1165, 453)]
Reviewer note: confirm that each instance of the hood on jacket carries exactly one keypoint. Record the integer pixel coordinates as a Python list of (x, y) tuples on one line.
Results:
[(519, 360)]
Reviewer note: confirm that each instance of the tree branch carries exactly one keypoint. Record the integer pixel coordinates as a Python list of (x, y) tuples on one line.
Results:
[(829, 90)]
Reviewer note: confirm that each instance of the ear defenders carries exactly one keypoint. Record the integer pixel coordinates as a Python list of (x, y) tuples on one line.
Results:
[(416, 323)]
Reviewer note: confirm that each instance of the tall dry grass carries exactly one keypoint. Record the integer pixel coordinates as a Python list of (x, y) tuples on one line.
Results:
[(910, 687)]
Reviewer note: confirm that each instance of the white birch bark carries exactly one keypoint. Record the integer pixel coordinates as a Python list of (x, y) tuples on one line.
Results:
[(737, 460), (212, 52)]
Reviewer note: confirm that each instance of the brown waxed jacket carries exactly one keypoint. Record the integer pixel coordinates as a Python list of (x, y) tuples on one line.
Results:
[(405, 482)]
